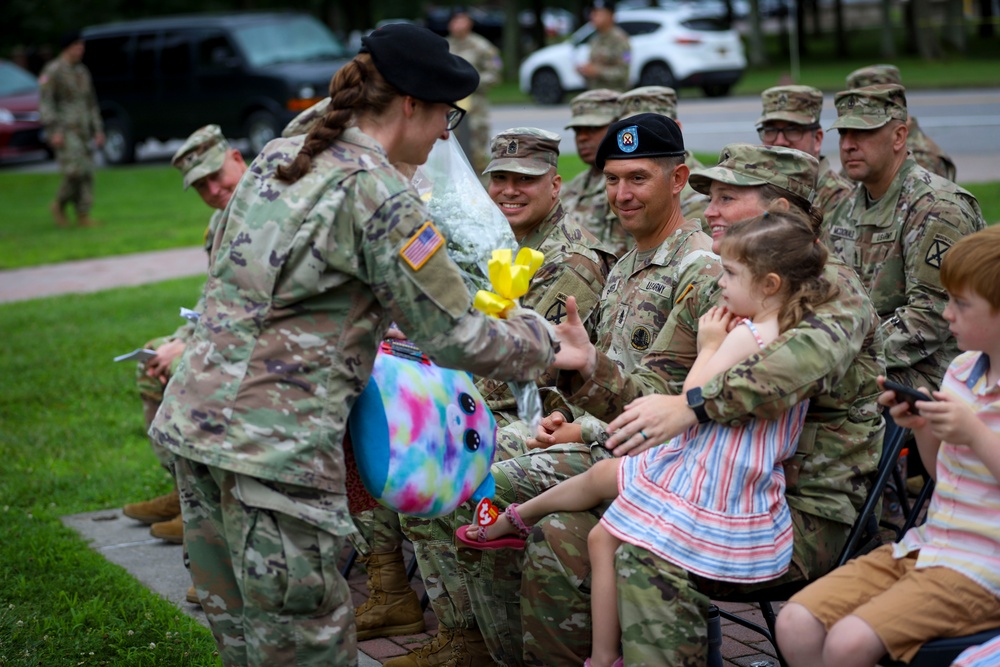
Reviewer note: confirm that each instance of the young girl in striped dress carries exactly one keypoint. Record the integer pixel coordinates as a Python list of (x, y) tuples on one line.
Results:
[(712, 499)]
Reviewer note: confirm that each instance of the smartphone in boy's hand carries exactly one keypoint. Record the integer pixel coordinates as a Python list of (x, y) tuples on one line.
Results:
[(907, 395)]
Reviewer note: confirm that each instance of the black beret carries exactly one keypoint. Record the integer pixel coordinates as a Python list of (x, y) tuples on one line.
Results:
[(70, 37), (644, 135), (418, 63)]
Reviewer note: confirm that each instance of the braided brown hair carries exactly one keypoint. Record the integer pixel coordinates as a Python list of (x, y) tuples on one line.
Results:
[(356, 88)]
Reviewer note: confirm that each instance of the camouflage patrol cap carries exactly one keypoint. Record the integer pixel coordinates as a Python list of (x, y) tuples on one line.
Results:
[(872, 75), (203, 153), (871, 107), (749, 165), (648, 99), (524, 150), (307, 120), (594, 108), (794, 104)]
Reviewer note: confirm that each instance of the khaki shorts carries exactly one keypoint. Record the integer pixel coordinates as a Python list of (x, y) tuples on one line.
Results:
[(906, 607)]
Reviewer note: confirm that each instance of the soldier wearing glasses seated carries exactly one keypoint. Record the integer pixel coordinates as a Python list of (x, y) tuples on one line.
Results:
[(791, 119)]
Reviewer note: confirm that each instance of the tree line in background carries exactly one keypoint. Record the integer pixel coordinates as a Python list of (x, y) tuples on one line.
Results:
[(931, 27)]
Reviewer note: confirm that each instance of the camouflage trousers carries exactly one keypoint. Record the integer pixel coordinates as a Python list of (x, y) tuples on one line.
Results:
[(663, 609), (381, 530), (151, 393), (263, 558), (76, 162)]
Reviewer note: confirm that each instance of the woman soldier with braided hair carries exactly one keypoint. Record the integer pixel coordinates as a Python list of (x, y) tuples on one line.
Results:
[(324, 244)]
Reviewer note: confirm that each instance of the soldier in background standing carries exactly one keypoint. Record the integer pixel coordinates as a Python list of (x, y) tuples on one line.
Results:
[(663, 100), (610, 53), (585, 198), (926, 152), (791, 119), (486, 59), (72, 120)]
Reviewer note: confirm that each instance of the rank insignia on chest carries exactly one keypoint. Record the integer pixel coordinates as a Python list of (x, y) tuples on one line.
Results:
[(935, 252), (641, 338), (622, 316), (422, 246)]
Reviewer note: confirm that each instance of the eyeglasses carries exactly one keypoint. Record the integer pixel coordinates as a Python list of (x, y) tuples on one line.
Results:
[(455, 117), (792, 133)]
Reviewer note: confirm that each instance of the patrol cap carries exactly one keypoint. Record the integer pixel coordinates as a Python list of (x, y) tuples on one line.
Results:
[(794, 104), (645, 135), (749, 165), (648, 99), (871, 107), (203, 153), (872, 75), (524, 150), (418, 63), (594, 108)]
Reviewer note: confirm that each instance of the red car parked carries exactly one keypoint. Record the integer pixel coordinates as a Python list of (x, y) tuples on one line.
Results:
[(20, 126)]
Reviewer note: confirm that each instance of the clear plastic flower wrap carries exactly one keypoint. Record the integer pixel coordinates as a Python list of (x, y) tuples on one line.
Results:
[(462, 210)]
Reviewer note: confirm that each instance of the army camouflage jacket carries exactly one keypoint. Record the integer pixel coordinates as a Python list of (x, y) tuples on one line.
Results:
[(611, 54), (896, 245), (928, 154), (635, 306), (306, 280), (693, 203), (67, 101), (585, 200), (576, 264), (186, 330), (831, 358), (831, 187)]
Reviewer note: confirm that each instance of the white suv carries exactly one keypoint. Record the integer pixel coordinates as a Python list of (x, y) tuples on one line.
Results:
[(670, 47)]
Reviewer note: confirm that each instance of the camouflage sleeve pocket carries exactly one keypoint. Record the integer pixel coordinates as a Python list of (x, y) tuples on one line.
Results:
[(552, 305)]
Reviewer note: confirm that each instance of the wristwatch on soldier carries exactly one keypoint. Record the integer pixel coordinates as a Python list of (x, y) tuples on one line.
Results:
[(696, 402)]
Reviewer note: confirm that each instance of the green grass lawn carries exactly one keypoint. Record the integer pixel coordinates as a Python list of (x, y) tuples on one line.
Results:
[(72, 440), (140, 208)]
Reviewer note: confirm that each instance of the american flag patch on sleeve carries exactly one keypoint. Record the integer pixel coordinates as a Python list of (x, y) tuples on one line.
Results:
[(422, 246)]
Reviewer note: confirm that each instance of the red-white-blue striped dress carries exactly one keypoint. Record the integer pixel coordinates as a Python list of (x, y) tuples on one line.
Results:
[(712, 500)]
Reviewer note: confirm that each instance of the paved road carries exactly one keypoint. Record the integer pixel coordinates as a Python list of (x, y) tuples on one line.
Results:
[(966, 123)]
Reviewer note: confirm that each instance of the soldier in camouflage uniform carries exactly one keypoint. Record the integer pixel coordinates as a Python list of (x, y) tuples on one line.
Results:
[(791, 118), (72, 119), (585, 198), (663, 610), (525, 186), (895, 229), (209, 164), (256, 414), (672, 256), (485, 57), (925, 150), (610, 53), (663, 100)]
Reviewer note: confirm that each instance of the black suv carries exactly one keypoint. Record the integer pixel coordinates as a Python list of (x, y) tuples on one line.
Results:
[(250, 73)]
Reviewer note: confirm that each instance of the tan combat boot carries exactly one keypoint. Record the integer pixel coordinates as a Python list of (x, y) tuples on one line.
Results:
[(159, 509), (58, 214), (450, 648), (169, 531), (392, 608)]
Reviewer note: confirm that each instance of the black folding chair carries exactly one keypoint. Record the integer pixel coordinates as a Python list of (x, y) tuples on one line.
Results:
[(864, 537), (942, 652)]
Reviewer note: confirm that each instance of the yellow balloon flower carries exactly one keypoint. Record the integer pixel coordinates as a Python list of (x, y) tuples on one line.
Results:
[(510, 280)]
